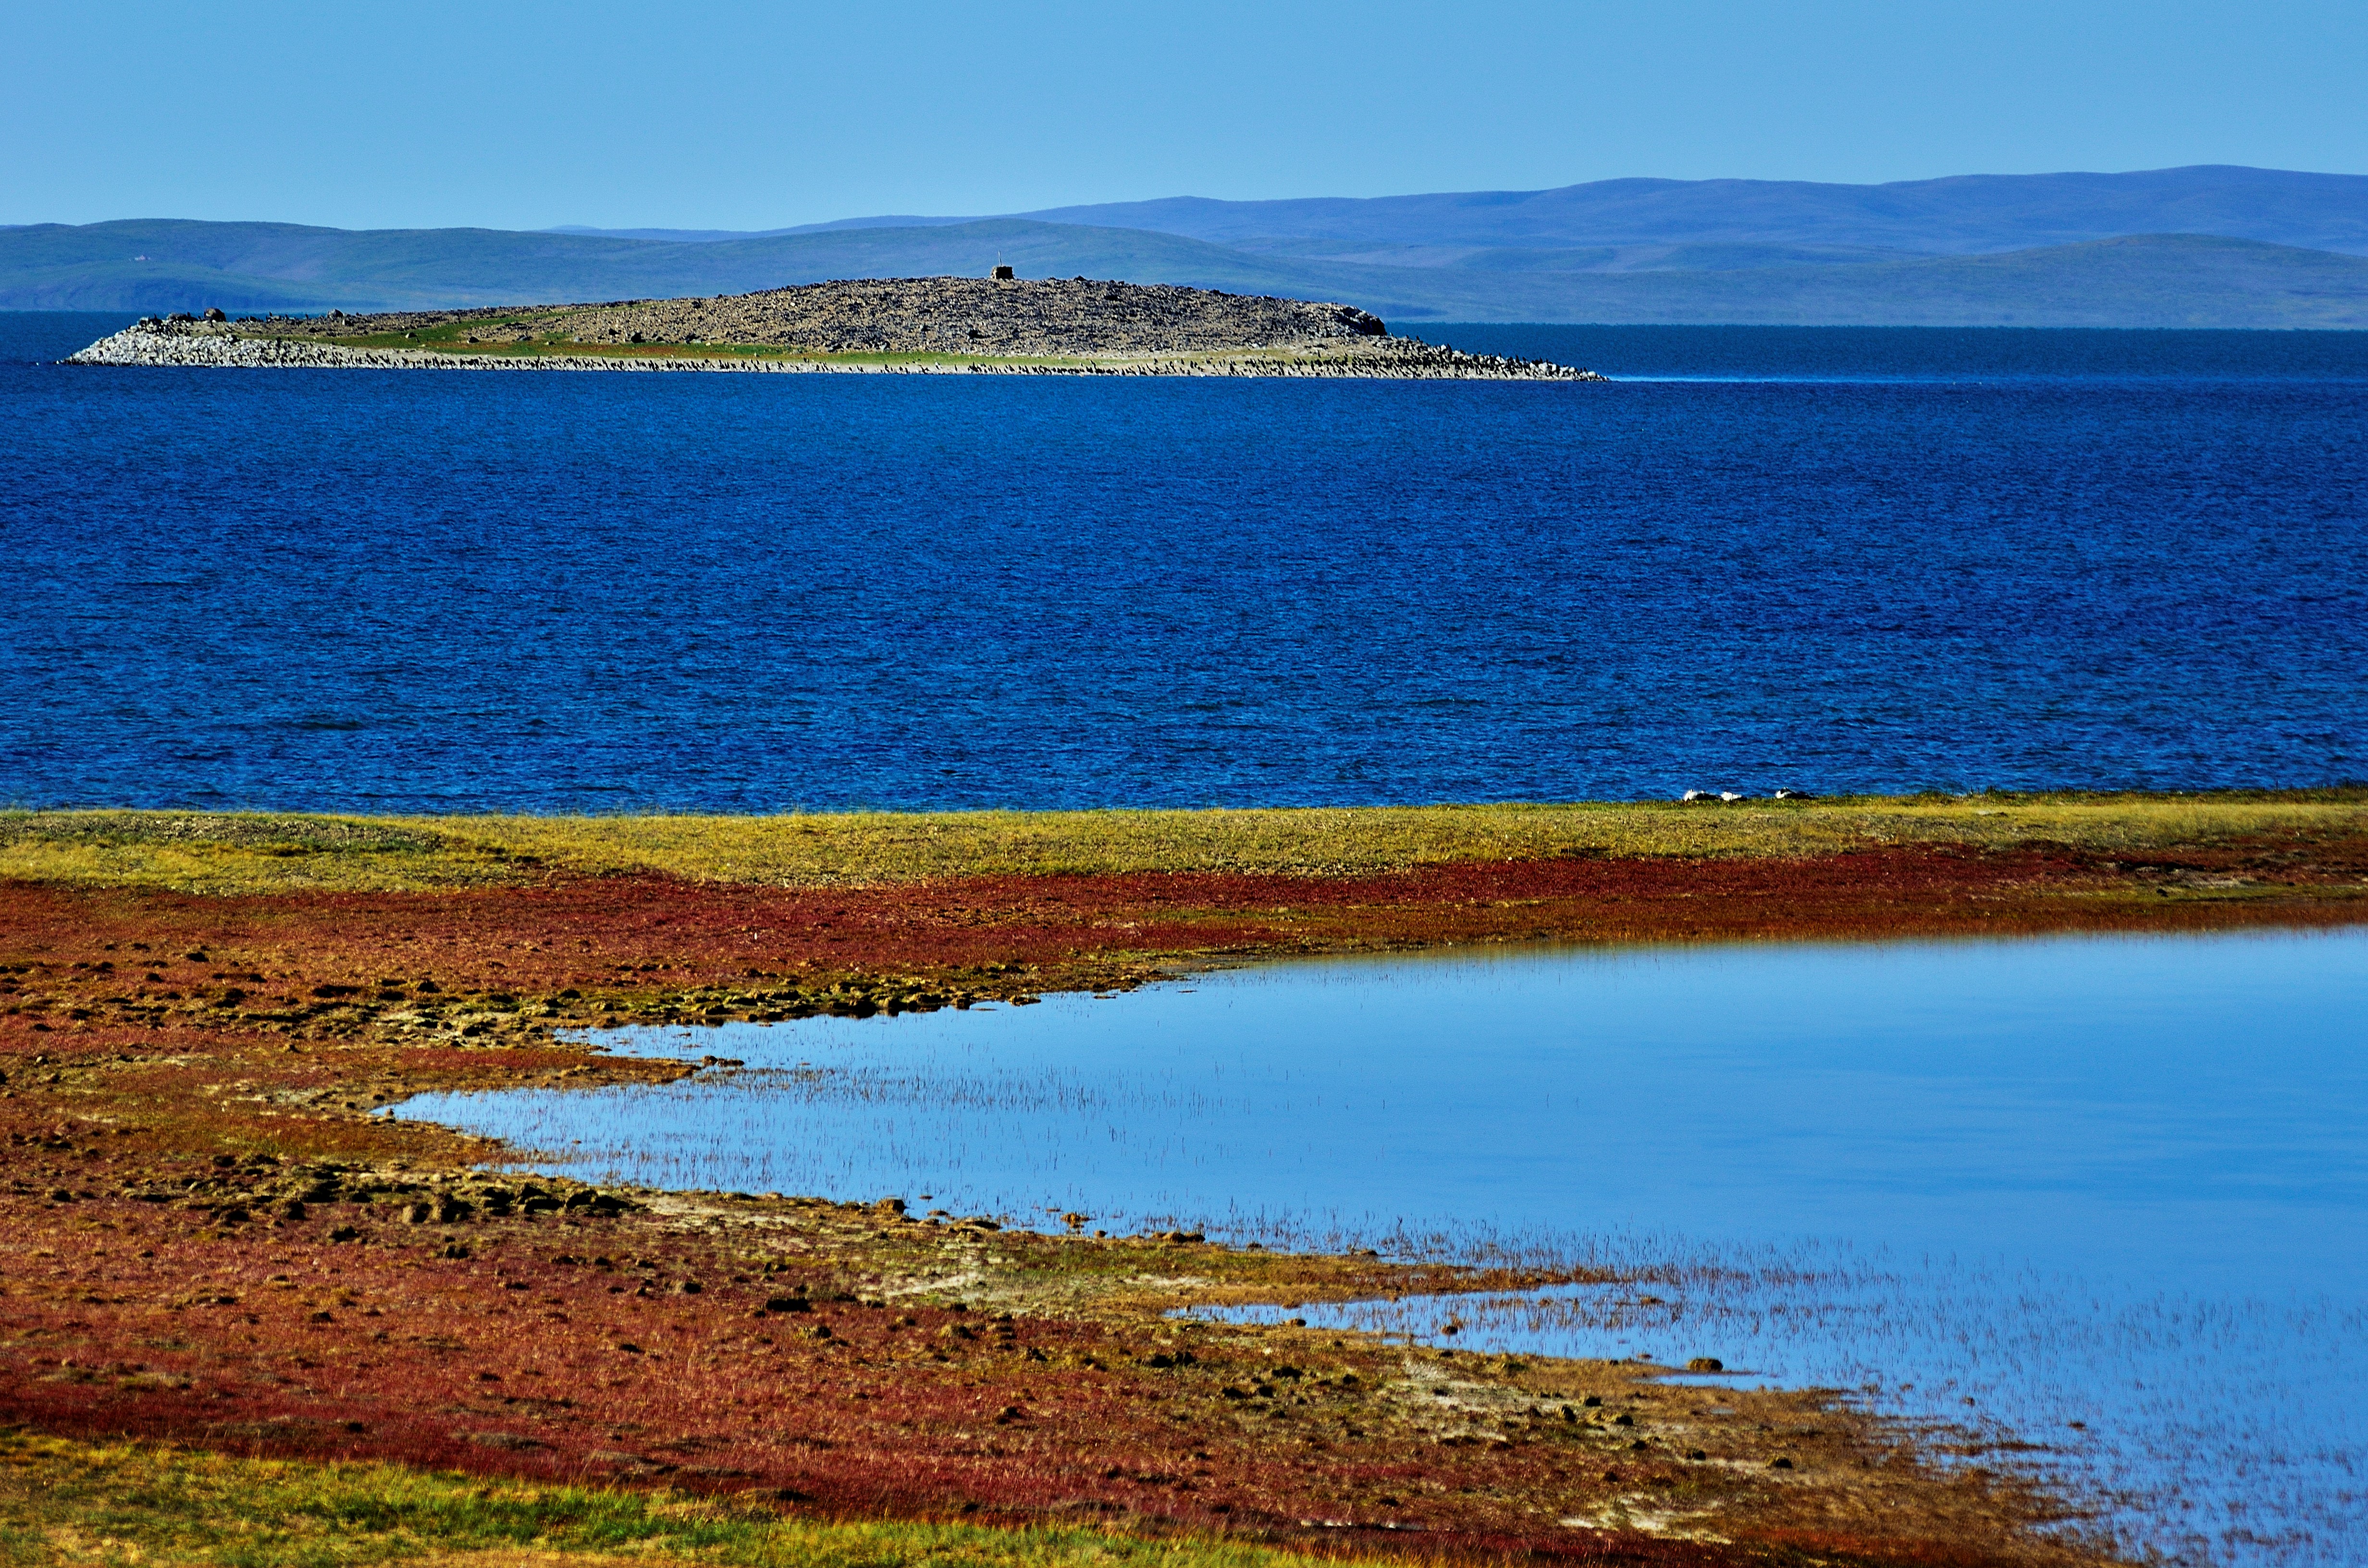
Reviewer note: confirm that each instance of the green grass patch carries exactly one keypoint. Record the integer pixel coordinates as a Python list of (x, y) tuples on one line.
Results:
[(548, 336), (455, 340), (132, 1504), (262, 852)]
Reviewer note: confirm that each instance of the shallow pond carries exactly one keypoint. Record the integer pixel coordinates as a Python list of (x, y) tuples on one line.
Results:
[(2102, 1195)]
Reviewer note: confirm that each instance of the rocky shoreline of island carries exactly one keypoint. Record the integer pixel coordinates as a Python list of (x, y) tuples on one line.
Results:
[(152, 346)]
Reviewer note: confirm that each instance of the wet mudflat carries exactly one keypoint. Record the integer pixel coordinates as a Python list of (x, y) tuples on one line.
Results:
[(2108, 1190)]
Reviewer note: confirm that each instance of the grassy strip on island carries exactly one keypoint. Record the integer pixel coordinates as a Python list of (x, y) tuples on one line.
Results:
[(220, 1246)]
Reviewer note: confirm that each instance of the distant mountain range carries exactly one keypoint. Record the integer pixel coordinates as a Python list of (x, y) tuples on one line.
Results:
[(2205, 246)]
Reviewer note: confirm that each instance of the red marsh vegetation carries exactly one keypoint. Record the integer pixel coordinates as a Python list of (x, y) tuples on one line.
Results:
[(210, 1244)]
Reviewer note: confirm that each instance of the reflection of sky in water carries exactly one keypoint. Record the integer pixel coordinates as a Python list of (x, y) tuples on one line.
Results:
[(2119, 1181)]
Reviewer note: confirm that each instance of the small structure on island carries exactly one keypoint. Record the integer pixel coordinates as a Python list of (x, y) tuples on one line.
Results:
[(1002, 274)]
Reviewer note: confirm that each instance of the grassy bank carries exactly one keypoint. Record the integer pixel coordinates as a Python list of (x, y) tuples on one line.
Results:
[(231, 853), (134, 1503)]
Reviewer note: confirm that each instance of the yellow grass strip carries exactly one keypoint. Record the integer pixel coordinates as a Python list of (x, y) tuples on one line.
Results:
[(240, 853), (117, 1505)]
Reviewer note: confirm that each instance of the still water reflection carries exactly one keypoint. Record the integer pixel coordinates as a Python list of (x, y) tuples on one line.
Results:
[(2014, 1186)]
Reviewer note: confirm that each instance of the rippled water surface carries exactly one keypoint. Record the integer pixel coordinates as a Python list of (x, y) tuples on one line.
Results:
[(1824, 559), (2014, 1186)]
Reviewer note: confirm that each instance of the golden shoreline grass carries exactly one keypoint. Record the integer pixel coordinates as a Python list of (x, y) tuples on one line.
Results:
[(236, 853), (132, 1506)]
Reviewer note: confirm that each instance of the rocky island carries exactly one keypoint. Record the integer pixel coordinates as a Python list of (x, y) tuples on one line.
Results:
[(1010, 325)]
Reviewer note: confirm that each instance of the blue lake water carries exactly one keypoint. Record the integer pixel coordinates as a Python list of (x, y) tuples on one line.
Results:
[(2115, 1182), (2009, 1185), (1824, 559)]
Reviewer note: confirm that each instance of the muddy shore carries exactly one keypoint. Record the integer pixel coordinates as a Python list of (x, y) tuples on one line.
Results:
[(222, 1248)]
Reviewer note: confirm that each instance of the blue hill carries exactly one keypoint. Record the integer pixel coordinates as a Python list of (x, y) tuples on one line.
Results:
[(2209, 247)]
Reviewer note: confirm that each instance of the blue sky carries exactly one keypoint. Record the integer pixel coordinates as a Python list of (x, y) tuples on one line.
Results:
[(734, 115)]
